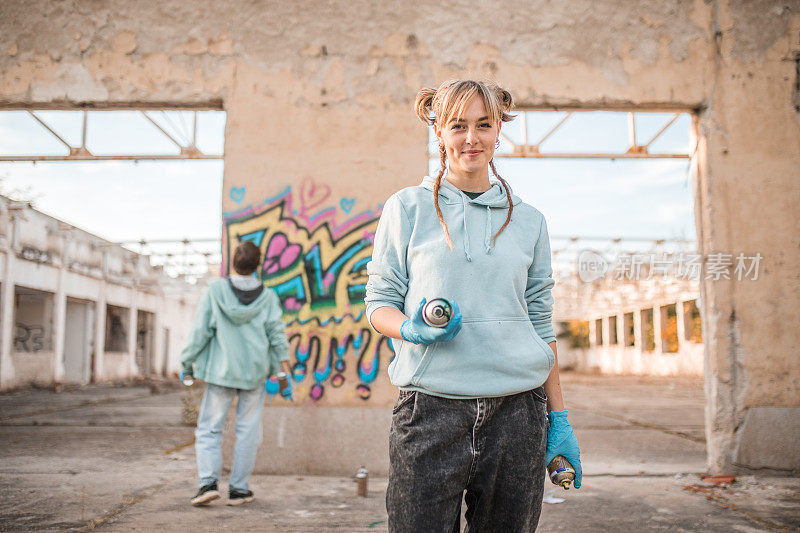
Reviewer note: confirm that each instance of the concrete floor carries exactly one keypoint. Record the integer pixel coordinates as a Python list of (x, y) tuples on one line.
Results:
[(118, 458)]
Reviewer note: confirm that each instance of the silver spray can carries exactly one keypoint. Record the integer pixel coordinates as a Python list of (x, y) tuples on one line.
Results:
[(561, 471), (437, 313)]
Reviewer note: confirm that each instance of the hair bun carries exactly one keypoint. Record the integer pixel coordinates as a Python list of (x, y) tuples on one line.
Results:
[(424, 105)]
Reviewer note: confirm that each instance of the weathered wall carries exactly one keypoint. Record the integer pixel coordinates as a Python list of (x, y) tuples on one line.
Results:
[(320, 129)]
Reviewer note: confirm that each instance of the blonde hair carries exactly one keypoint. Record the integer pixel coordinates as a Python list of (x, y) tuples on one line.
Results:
[(439, 106)]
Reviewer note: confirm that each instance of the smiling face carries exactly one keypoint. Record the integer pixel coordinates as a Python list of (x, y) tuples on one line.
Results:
[(469, 139)]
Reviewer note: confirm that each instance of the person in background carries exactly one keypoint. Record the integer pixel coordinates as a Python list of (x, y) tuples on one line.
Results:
[(238, 340)]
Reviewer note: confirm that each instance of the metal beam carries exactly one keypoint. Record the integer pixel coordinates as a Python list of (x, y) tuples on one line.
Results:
[(188, 150), (116, 157), (528, 149)]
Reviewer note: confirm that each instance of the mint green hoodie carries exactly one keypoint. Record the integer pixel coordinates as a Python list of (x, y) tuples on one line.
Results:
[(236, 345), (503, 290)]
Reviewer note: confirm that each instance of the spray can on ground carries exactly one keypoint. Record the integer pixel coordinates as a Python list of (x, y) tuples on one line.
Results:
[(561, 471), (437, 313), (361, 479)]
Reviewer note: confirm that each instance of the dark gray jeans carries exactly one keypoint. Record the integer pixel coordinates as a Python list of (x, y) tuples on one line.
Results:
[(493, 448)]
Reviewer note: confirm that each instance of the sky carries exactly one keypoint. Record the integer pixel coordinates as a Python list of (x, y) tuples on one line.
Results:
[(124, 201)]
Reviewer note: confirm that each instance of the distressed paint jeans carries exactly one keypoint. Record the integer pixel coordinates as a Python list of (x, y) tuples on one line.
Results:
[(208, 435), (493, 448)]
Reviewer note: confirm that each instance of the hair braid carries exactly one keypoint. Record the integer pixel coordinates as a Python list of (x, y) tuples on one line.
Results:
[(510, 201), (443, 157)]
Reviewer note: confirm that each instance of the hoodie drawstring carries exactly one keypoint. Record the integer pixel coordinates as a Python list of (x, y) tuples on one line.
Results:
[(487, 237), (466, 231)]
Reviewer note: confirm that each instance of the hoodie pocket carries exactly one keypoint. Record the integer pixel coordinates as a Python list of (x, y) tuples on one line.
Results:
[(489, 356), (551, 357)]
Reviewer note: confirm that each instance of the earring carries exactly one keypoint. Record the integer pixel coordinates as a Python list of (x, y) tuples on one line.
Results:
[(497, 144)]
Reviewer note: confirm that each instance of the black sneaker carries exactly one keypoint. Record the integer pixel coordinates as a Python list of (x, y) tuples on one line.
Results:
[(239, 496), (206, 494)]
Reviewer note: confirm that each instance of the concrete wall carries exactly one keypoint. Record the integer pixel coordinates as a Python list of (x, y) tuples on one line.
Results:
[(320, 440), (320, 131), (631, 360)]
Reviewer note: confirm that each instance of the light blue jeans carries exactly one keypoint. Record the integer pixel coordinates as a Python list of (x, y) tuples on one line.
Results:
[(208, 435)]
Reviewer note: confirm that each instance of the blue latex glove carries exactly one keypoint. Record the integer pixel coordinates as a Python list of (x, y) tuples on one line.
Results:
[(417, 331), (562, 441)]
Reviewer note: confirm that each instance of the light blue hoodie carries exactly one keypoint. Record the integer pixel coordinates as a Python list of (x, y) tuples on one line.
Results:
[(503, 290), (236, 345)]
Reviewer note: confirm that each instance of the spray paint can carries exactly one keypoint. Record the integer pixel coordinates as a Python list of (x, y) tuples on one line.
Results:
[(188, 380), (561, 471), (437, 313), (283, 381), (361, 479)]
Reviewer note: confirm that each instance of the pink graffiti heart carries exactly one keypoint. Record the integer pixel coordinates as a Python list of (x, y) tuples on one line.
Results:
[(280, 254), (311, 194), (292, 303)]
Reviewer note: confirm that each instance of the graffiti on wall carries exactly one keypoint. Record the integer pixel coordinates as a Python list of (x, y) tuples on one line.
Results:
[(29, 338), (315, 253)]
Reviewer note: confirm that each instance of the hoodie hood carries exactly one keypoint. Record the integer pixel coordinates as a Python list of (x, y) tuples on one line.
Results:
[(230, 305), (494, 198)]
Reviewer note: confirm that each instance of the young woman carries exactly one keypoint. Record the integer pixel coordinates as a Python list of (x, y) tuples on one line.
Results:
[(471, 415)]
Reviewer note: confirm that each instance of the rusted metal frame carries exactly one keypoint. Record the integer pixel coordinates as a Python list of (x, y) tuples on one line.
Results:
[(581, 155), (644, 148), (143, 157), (168, 241), (634, 151), (185, 150), (48, 128), (81, 153), (551, 132), (209, 105), (662, 130)]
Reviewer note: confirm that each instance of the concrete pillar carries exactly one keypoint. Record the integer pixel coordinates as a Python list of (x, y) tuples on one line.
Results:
[(60, 313), (133, 333), (659, 348), (638, 334), (100, 324), (7, 322), (158, 343), (621, 330), (681, 319), (7, 304)]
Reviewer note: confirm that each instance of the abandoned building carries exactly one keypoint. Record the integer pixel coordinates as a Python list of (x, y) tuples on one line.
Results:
[(77, 309), (320, 131)]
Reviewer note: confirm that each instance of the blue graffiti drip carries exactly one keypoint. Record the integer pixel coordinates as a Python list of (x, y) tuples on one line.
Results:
[(369, 376), (322, 375), (302, 356), (272, 387)]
